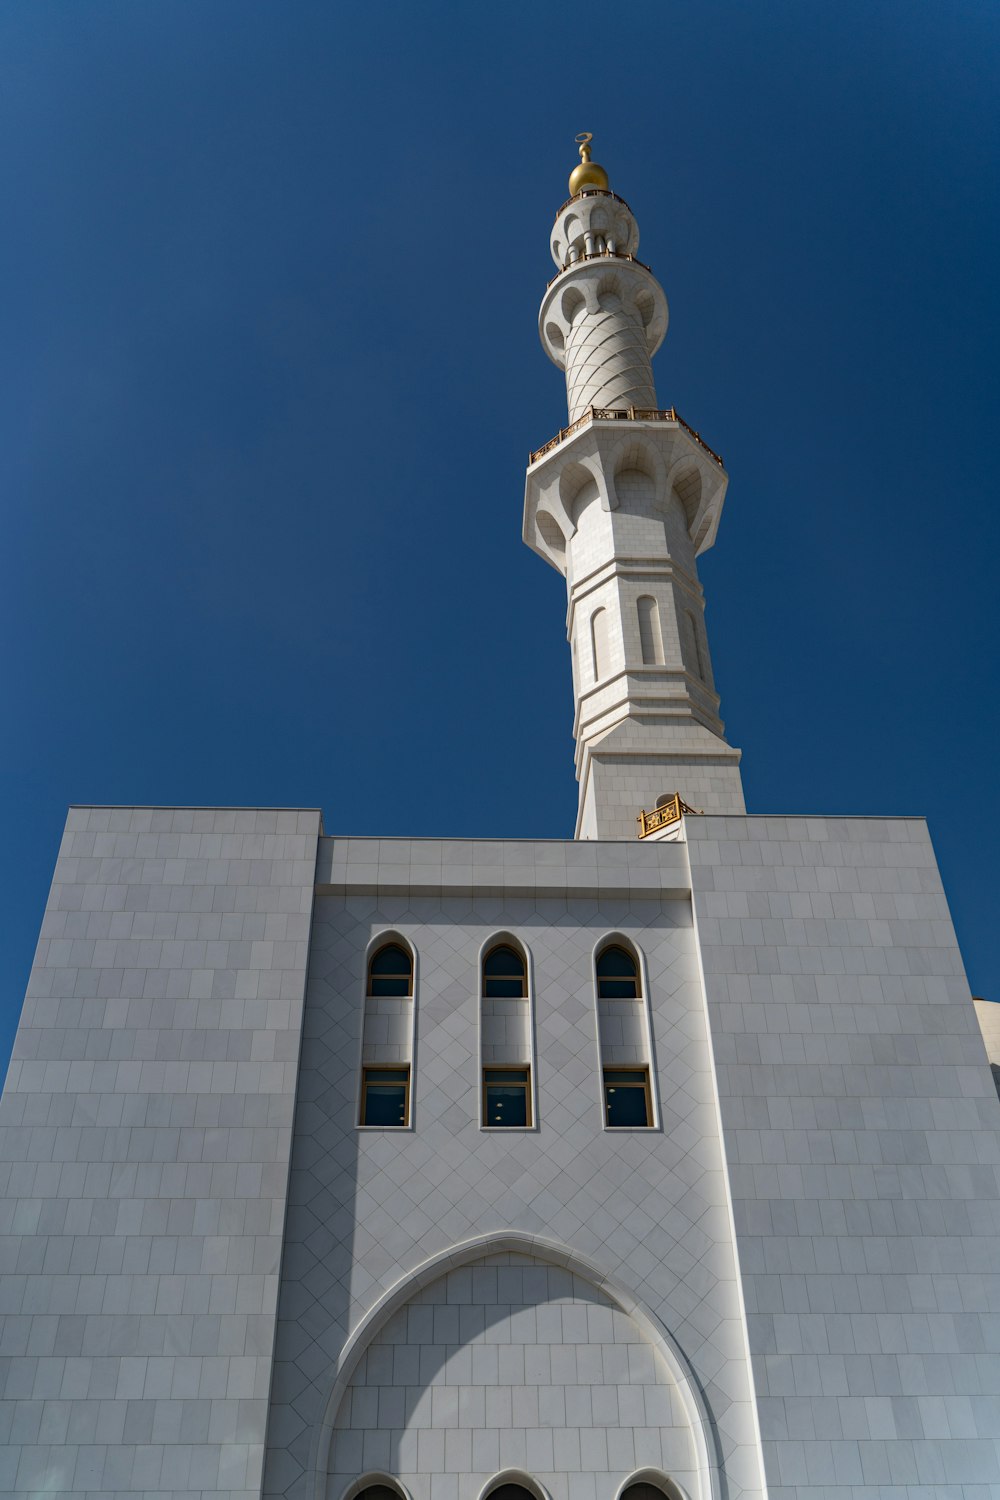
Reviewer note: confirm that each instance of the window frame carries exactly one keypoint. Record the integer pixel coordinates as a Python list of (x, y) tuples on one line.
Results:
[(504, 937), (390, 942), (644, 1000), (529, 1112), (377, 1067), (512, 1476), (645, 1085), (518, 952), (370, 1481), (618, 978)]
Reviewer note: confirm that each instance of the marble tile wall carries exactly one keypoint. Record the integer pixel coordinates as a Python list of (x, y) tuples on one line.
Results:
[(368, 1210), (144, 1142), (862, 1133)]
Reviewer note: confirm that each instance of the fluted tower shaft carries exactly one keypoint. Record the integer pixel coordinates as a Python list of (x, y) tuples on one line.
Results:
[(605, 314)]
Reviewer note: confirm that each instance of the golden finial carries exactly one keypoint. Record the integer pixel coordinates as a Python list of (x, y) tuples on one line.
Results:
[(588, 173)]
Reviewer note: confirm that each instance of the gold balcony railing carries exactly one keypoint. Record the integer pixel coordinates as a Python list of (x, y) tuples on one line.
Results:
[(622, 414), (670, 811)]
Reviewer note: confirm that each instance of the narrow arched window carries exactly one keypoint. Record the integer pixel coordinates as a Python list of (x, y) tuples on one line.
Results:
[(617, 975), (390, 971), (625, 1041), (699, 660), (506, 1038), (504, 974), (650, 636), (600, 643)]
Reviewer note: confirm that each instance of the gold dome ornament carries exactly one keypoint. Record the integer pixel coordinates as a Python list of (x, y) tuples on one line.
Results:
[(588, 174)]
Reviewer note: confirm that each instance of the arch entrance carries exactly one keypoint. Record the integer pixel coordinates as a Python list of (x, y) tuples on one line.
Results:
[(512, 1376)]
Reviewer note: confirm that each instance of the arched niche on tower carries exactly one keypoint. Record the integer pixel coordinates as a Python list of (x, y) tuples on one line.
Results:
[(580, 485), (699, 484), (633, 459), (456, 1313), (552, 536), (637, 476), (593, 214)]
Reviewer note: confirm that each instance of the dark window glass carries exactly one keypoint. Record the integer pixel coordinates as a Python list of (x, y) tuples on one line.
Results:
[(385, 1096), (379, 1492), (505, 1096), (644, 1491), (511, 1492), (617, 975), (626, 1097), (390, 971), (503, 974)]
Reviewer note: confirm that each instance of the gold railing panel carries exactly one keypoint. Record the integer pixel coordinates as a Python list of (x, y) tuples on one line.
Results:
[(661, 817)]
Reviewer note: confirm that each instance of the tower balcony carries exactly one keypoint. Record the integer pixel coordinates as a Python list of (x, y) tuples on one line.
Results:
[(605, 452), (626, 414)]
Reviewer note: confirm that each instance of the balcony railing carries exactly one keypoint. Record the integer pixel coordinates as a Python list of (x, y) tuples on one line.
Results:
[(598, 255), (671, 811), (622, 414), (592, 192)]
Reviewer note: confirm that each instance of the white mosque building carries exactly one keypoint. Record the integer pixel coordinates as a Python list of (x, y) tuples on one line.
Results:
[(655, 1164)]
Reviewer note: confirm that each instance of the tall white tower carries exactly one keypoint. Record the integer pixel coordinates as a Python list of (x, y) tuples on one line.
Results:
[(622, 501)]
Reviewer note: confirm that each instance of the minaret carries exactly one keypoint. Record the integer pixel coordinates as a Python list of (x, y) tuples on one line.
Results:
[(622, 501)]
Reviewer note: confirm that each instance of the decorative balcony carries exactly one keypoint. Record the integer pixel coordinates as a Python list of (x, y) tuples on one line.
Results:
[(670, 810), (598, 255), (591, 192), (622, 414)]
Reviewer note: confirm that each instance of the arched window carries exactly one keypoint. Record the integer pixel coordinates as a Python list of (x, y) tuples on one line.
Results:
[(387, 1038), (506, 1037), (390, 971), (696, 643), (504, 974), (626, 1045), (378, 1492), (617, 974), (511, 1487), (645, 1489)]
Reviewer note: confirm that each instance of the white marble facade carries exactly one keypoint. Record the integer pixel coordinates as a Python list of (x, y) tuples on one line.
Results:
[(218, 1278), (787, 1287)]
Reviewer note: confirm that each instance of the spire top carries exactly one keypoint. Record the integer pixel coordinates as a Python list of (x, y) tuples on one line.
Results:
[(588, 173)]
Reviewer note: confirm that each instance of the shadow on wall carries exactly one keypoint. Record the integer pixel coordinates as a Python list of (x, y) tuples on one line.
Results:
[(512, 1364)]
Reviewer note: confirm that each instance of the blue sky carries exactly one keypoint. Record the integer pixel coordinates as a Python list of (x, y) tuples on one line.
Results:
[(270, 373)]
